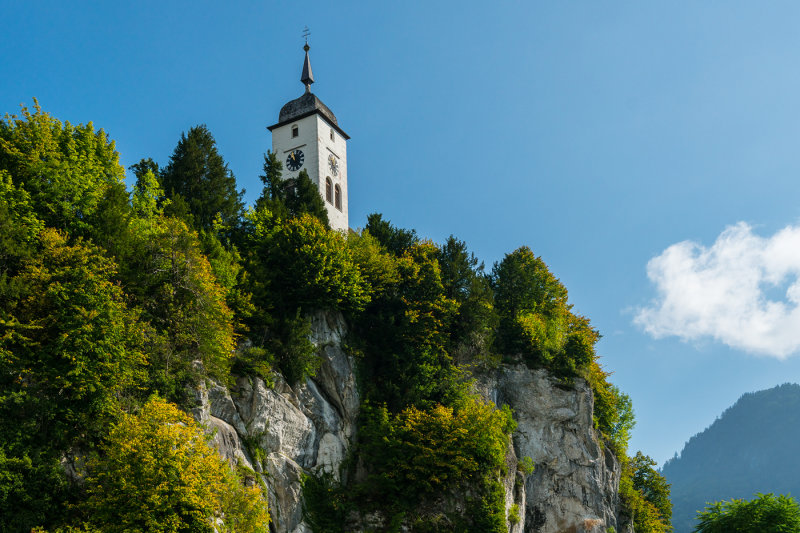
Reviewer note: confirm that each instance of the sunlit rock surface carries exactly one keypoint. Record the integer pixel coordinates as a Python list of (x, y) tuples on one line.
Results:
[(574, 485), (282, 432)]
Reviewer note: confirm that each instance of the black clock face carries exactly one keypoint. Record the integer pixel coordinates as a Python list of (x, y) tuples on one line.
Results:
[(295, 160)]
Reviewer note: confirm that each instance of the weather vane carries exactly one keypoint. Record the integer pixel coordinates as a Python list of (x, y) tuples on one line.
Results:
[(306, 33)]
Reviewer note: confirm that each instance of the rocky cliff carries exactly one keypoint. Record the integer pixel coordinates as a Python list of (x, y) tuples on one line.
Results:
[(280, 432)]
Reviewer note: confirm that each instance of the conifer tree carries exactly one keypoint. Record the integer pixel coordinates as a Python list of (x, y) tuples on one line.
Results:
[(199, 182), (292, 197)]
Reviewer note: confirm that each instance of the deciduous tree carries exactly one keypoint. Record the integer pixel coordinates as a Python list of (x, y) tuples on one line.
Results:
[(158, 473)]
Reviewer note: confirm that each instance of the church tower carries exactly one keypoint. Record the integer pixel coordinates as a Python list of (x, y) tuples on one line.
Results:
[(307, 136)]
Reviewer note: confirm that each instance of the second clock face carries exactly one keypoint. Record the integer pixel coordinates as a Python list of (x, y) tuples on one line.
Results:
[(333, 164), (295, 160)]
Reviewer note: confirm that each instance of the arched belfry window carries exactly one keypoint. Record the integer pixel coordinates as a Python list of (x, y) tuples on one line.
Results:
[(329, 190), (295, 131), (338, 203)]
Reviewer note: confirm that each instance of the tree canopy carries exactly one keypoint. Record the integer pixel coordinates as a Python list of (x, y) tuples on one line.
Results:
[(765, 513), (158, 473), (198, 178)]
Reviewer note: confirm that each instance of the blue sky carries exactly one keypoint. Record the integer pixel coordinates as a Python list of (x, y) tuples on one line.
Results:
[(598, 134)]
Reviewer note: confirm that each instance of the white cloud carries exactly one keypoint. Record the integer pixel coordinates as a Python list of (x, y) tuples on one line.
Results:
[(727, 292)]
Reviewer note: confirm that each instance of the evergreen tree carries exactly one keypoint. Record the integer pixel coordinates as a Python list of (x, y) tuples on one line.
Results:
[(199, 182), (472, 329), (303, 197), (394, 239), (290, 198)]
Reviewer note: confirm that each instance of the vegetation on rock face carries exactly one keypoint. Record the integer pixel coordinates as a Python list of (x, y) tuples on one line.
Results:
[(156, 472), (107, 299)]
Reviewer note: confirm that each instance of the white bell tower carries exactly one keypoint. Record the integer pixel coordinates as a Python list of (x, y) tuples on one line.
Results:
[(307, 136)]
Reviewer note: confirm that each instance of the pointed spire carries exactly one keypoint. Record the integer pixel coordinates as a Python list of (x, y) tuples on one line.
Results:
[(307, 77)]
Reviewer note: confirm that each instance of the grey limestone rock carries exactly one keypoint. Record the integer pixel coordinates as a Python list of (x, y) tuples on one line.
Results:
[(282, 431), (574, 485)]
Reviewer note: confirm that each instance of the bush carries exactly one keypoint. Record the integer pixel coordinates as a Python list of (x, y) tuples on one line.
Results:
[(418, 453), (158, 473), (766, 512)]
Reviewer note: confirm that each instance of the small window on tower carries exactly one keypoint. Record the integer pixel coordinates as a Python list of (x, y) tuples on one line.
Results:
[(329, 190), (295, 131), (332, 137), (338, 198)]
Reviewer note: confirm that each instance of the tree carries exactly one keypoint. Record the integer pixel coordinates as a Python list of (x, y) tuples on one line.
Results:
[(765, 513), (394, 239), (463, 279), (302, 264), (404, 329), (290, 198), (644, 494), (532, 305), (198, 180), (158, 473), (69, 348), (19, 229), (72, 173), (173, 283), (303, 198)]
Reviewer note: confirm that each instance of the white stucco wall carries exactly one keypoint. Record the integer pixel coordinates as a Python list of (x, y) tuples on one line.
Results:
[(314, 140)]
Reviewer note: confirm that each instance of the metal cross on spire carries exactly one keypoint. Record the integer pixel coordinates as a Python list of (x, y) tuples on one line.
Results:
[(307, 77)]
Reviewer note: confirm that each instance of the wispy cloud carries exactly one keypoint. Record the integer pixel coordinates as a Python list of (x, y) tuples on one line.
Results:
[(743, 291)]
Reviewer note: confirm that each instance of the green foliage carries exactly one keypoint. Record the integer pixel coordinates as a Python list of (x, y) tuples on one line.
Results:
[(293, 350), (764, 513), (158, 473), (613, 410), (30, 491), (472, 329), (19, 227), (69, 172), (513, 514), (303, 198), (404, 330), (644, 495), (532, 305), (253, 361), (199, 182), (526, 465), (299, 263), (419, 453), (395, 240), (291, 197), (69, 347), (174, 285), (325, 503), (378, 268)]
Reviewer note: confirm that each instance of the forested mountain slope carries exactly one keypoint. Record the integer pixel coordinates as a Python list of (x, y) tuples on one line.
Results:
[(752, 447)]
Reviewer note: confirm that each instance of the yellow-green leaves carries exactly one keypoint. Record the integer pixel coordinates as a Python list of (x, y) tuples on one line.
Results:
[(158, 473), (71, 349), (66, 169)]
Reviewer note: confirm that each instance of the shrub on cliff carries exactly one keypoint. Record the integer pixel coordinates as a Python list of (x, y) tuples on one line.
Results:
[(158, 473)]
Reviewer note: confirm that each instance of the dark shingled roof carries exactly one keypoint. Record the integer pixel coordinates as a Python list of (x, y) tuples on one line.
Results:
[(306, 105)]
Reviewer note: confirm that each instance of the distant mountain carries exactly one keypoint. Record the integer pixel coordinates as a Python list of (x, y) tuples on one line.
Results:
[(754, 446)]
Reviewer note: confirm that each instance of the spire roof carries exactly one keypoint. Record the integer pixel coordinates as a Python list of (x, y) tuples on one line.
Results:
[(307, 77)]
